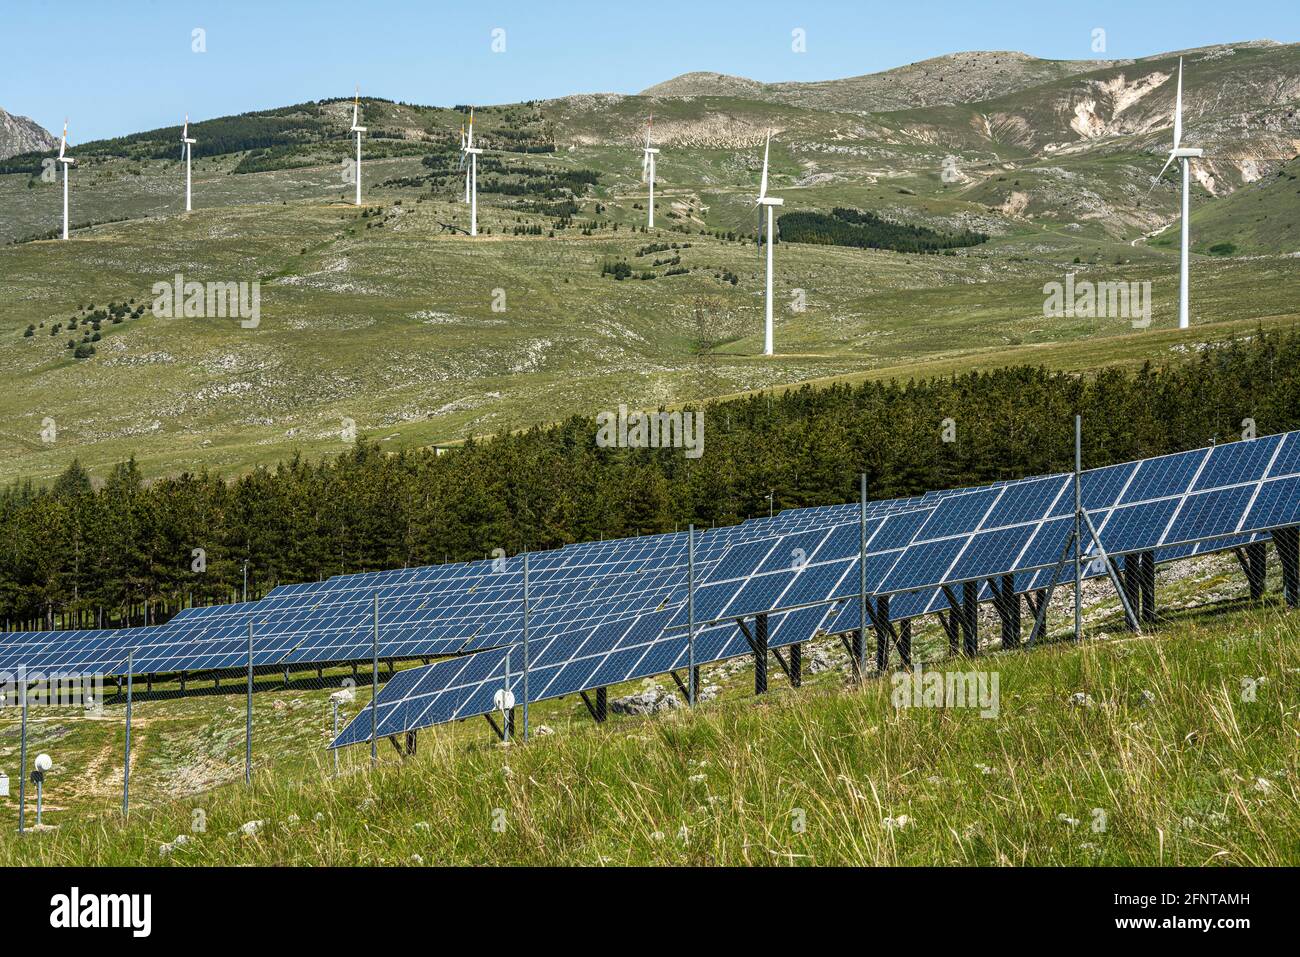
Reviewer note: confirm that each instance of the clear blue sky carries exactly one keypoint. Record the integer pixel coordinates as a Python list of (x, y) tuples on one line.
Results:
[(120, 66)]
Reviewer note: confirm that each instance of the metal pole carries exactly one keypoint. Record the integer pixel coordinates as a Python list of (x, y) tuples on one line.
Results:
[(126, 759), (525, 645), (335, 703), (862, 578), (248, 714), (690, 615), (1078, 528), (374, 687), (22, 760)]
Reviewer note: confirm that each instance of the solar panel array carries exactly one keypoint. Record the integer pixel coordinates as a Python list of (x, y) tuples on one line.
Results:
[(806, 577), (604, 612)]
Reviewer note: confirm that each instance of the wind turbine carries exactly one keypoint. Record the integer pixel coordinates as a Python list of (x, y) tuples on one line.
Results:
[(648, 169), (66, 161), (186, 142), (1185, 155), (769, 202), (356, 118), (472, 179), (461, 165)]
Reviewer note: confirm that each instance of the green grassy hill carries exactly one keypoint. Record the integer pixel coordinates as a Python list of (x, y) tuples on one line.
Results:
[(386, 320)]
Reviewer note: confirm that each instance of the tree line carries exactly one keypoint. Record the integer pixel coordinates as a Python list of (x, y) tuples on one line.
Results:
[(122, 549), (866, 230)]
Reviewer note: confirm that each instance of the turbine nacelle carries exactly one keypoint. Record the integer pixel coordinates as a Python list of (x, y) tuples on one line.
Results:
[(769, 201), (1187, 152)]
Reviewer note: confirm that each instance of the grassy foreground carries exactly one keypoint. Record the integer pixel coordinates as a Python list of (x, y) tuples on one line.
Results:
[(1183, 752)]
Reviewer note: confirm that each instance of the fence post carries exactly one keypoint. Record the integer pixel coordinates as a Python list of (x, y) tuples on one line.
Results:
[(525, 645), (248, 713), (374, 685), (126, 759), (690, 615), (1078, 528), (861, 663), (22, 760)]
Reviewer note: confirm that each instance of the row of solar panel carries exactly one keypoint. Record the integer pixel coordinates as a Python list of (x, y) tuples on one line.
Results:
[(1175, 505)]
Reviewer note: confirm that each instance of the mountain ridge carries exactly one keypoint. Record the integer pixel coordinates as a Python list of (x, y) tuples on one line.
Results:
[(22, 134), (952, 78)]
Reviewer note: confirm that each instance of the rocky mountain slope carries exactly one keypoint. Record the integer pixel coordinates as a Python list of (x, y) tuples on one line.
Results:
[(18, 134), (952, 78)]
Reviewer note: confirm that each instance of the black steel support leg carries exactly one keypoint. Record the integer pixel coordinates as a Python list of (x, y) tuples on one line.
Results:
[(796, 666), (856, 649), (1009, 608), (602, 705), (412, 741), (1287, 543), (882, 634), (1256, 569), (970, 618), (905, 642), (760, 655)]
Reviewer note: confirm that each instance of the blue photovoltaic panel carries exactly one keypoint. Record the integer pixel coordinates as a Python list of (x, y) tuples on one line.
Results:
[(1276, 506), (1167, 475), (1237, 462), (1209, 514), (1136, 528)]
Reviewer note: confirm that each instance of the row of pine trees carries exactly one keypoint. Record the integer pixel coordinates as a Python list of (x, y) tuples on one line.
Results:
[(122, 550)]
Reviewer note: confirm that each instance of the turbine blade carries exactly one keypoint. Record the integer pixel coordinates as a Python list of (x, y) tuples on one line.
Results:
[(63, 144), (1155, 182), (1178, 107), (762, 189)]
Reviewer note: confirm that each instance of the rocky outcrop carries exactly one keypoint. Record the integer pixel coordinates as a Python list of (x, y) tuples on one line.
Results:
[(18, 134)]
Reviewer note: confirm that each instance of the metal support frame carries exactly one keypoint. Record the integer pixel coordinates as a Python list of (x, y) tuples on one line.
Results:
[(795, 670), (887, 634), (1253, 559), (949, 624), (963, 619), (1130, 616), (970, 602), (1045, 600), (600, 708), (905, 643), (1287, 543), (1007, 604)]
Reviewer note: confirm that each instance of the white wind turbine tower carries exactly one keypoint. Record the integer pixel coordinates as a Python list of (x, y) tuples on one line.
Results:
[(461, 164), (472, 179), (186, 143), (769, 202), (648, 169), (356, 118), (1185, 155), (66, 161)]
